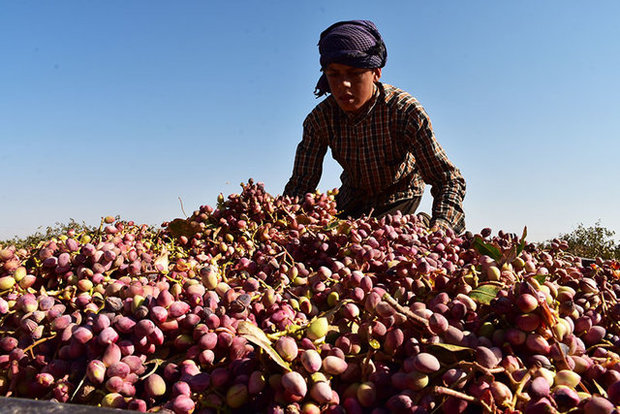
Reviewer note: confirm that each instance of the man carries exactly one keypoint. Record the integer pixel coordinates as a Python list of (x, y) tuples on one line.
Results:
[(379, 134)]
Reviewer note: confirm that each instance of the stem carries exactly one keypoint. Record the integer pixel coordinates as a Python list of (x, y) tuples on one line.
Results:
[(365, 364), (156, 364), (40, 341), (289, 256), (557, 341), (453, 393), (78, 388), (263, 284), (406, 311), (285, 289), (457, 394), (182, 209), (519, 389), (145, 274), (486, 371)]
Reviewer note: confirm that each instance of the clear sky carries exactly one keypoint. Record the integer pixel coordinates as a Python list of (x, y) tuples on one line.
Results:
[(123, 107)]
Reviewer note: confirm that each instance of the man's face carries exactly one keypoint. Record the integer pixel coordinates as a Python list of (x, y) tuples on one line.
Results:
[(351, 87)]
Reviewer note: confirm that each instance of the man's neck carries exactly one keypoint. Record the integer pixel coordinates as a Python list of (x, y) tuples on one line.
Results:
[(367, 107)]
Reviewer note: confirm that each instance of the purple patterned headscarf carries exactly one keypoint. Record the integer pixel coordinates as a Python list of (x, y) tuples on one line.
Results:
[(355, 43)]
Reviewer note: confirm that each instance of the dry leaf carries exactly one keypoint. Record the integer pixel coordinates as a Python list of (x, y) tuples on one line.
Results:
[(255, 335)]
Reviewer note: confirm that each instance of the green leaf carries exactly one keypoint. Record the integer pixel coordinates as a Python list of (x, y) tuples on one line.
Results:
[(334, 224), (522, 241), (255, 335), (374, 344), (484, 294), (487, 249), (540, 278)]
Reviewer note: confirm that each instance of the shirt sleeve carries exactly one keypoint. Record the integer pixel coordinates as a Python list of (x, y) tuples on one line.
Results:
[(308, 165), (447, 182)]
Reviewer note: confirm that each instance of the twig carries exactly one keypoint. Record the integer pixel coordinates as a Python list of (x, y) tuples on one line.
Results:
[(157, 363), (40, 341), (286, 252), (519, 389), (406, 311), (77, 388), (145, 274), (182, 209), (462, 396), (453, 393), (486, 371)]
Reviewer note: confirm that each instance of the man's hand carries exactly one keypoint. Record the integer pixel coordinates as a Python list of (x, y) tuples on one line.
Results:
[(433, 224), (440, 224)]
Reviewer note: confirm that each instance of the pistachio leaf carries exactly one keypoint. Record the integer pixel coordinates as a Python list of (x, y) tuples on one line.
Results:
[(540, 278), (600, 389), (161, 263), (255, 335), (448, 353), (509, 255), (334, 224), (305, 219), (451, 348), (487, 249), (522, 241), (484, 294), (180, 227)]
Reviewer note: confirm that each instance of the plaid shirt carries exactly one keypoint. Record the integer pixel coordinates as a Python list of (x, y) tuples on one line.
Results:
[(387, 154)]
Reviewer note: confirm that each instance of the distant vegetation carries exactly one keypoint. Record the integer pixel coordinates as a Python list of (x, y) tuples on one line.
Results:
[(48, 233), (594, 241)]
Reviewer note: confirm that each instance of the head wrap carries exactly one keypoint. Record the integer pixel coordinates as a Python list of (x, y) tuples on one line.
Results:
[(355, 43)]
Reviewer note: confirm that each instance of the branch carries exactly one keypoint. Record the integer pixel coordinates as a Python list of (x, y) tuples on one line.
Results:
[(457, 394), (418, 320)]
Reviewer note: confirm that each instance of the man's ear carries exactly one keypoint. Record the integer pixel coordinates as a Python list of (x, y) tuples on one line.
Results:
[(377, 74)]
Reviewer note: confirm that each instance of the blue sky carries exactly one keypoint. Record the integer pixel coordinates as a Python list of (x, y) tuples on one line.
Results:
[(123, 107)]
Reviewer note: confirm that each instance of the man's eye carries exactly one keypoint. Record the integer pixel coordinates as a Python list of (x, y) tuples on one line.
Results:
[(348, 75)]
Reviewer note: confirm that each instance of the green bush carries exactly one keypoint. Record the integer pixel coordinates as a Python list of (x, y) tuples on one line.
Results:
[(594, 241)]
